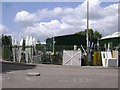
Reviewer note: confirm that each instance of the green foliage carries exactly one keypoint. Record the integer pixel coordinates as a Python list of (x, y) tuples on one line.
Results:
[(81, 33), (38, 45), (93, 36), (97, 35), (91, 33), (38, 42), (6, 47), (6, 40)]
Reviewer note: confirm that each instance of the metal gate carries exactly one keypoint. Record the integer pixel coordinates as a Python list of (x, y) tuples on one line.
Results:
[(71, 57)]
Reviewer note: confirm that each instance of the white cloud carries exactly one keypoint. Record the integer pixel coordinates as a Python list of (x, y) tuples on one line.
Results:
[(69, 20), (53, 28), (3, 29), (105, 19), (25, 18), (57, 12), (44, 29)]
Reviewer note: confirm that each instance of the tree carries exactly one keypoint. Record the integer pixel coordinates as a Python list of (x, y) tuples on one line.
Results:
[(6, 40), (6, 47), (38, 42), (81, 33), (38, 45), (97, 35), (91, 33), (93, 36)]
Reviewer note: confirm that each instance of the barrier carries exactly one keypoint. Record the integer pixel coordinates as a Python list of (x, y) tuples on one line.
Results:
[(108, 60), (97, 59), (71, 57)]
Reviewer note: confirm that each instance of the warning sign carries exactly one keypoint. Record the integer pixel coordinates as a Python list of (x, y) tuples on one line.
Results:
[(96, 61)]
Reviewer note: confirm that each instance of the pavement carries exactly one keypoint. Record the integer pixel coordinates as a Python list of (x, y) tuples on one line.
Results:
[(14, 75)]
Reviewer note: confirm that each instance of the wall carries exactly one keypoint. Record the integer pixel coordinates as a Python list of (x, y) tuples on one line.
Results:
[(67, 42), (115, 41)]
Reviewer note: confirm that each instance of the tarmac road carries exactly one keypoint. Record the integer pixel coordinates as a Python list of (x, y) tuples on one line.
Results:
[(53, 76)]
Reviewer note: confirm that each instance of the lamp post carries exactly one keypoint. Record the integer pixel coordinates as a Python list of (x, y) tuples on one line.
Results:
[(53, 46), (88, 43)]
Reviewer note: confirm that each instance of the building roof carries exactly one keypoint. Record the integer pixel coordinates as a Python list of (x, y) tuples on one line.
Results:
[(66, 35), (113, 35)]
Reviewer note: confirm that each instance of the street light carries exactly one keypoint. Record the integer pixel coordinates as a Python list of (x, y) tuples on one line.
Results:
[(88, 43), (53, 45)]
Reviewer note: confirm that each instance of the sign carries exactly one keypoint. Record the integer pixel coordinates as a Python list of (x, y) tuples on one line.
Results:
[(39, 52), (113, 54), (96, 61)]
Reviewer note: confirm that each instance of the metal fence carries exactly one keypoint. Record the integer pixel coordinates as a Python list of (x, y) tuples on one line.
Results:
[(42, 54)]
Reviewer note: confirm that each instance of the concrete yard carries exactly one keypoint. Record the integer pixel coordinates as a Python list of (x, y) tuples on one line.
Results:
[(57, 76)]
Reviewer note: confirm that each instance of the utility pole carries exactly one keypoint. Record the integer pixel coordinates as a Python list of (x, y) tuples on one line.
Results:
[(53, 46), (88, 43)]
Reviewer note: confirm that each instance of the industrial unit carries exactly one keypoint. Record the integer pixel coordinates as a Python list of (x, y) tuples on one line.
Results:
[(113, 39), (67, 42)]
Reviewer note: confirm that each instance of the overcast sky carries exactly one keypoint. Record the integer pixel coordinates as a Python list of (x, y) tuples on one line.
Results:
[(48, 19)]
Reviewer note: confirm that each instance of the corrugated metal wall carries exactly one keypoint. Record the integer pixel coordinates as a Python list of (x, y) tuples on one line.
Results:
[(115, 41), (67, 42)]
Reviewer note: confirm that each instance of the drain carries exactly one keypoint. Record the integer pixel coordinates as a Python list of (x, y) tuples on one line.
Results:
[(33, 74)]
